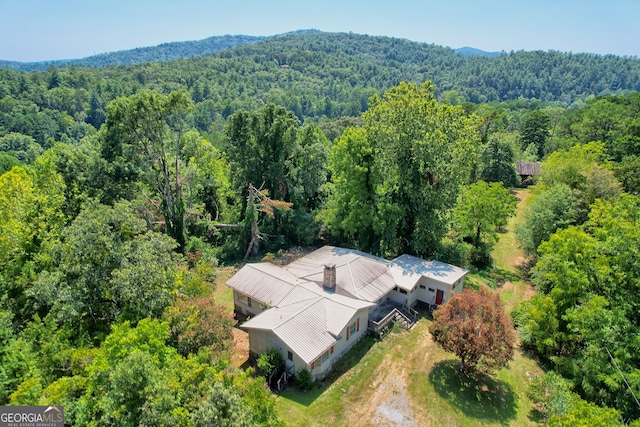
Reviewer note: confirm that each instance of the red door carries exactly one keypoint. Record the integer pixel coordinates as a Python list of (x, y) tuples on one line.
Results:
[(439, 296)]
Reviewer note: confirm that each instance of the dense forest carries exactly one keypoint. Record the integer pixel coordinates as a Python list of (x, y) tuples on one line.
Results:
[(124, 187)]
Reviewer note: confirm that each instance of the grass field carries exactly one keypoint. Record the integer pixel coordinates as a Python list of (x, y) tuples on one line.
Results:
[(407, 380)]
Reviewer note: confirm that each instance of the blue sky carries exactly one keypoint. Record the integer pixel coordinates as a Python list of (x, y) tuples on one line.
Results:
[(34, 30)]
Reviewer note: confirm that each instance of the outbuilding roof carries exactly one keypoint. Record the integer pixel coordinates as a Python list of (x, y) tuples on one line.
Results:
[(528, 168)]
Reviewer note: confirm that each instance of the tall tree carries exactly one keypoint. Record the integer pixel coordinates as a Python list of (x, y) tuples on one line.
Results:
[(261, 144), (535, 130), (351, 209), (108, 266), (31, 220), (424, 150), (144, 131), (497, 163)]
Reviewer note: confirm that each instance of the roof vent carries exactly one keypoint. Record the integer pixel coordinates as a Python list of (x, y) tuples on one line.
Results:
[(329, 281)]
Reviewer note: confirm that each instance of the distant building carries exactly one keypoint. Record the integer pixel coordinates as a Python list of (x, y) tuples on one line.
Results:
[(527, 172), (316, 308)]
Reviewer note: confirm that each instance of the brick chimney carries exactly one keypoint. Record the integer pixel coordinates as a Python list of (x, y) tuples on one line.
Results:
[(329, 281)]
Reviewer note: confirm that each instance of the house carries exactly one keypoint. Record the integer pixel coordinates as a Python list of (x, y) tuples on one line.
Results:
[(527, 171), (316, 308)]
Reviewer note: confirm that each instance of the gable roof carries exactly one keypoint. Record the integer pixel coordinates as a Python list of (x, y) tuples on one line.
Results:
[(268, 284), (310, 327)]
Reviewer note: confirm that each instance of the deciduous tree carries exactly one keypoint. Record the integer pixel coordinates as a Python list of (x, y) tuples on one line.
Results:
[(108, 265), (482, 209), (417, 153), (196, 323), (475, 327), (143, 138)]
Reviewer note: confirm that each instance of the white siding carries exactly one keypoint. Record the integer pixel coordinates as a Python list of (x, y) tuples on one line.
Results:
[(261, 341), (398, 297), (341, 346), (458, 286), (242, 302)]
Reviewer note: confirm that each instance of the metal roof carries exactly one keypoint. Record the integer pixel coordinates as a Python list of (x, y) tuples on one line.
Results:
[(263, 282), (309, 327), (408, 266), (361, 275), (309, 318), (528, 168)]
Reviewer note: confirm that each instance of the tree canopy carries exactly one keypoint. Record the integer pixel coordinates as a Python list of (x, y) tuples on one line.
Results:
[(475, 327)]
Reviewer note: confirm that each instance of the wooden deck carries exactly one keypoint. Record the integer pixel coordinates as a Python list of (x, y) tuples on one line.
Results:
[(386, 314)]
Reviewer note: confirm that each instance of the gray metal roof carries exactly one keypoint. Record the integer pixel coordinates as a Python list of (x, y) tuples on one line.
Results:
[(528, 168), (408, 266), (359, 274), (309, 327), (263, 282), (308, 318)]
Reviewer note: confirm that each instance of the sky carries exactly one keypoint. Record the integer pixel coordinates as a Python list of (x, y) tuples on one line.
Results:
[(39, 30)]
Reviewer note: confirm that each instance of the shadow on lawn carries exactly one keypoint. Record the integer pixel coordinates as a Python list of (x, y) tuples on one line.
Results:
[(480, 397), (346, 363)]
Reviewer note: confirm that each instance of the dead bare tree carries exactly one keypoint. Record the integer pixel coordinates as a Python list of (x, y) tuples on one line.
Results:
[(258, 200)]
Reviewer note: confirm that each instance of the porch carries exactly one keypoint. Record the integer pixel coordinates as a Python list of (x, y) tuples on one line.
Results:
[(384, 315)]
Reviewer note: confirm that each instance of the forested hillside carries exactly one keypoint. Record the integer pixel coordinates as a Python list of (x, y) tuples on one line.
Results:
[(123, 188), (162, 52)]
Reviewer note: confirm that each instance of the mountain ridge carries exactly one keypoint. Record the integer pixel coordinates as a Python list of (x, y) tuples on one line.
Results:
[(179, 50)]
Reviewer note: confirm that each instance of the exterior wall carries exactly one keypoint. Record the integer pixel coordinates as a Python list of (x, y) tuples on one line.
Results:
[(458, 286), (397, 296), (320, 368), (427, 296), (413, 296), (260, 341), (245, 305)]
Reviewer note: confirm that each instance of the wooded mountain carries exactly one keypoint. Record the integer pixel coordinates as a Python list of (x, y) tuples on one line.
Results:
[(345, 67), (161, 52)]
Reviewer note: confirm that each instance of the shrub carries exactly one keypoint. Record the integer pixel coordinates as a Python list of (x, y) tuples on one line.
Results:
[(270, 362), (304, 379)]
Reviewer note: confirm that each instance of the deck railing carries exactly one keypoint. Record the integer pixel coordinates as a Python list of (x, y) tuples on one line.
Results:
[(394, 315)]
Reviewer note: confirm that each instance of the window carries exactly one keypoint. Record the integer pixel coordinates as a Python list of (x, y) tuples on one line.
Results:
[(290, 356), (325, 356), (352, 328), (423, 287), (331, 349), (402, 291), (249, 302), (431, 290), (242, 298)]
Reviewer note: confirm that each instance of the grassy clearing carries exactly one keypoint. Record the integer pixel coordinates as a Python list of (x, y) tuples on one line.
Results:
[(411, 370), (222, 293), (506, 253)]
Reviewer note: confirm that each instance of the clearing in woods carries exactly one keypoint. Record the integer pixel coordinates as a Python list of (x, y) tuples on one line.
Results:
[(406, 379)]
